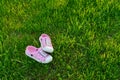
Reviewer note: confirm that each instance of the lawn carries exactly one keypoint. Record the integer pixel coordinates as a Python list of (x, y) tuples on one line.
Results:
[(85, 35)]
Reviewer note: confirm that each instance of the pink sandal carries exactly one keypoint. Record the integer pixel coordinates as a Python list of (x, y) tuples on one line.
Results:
[(38, 54), (46, 44)]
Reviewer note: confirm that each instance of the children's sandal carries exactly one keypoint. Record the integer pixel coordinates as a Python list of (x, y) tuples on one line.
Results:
[(46, 44), (38, 54)]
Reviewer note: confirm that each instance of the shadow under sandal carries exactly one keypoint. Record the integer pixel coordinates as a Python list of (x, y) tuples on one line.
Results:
[(46, 44), (38, 54)]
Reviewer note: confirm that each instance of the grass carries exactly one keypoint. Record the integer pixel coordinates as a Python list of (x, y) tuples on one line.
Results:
[(85, 35)]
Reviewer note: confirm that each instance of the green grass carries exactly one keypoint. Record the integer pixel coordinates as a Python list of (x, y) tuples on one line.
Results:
[(85, 35)]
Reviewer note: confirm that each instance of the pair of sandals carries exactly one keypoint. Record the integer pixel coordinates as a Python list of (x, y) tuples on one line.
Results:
[(41, 54)]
